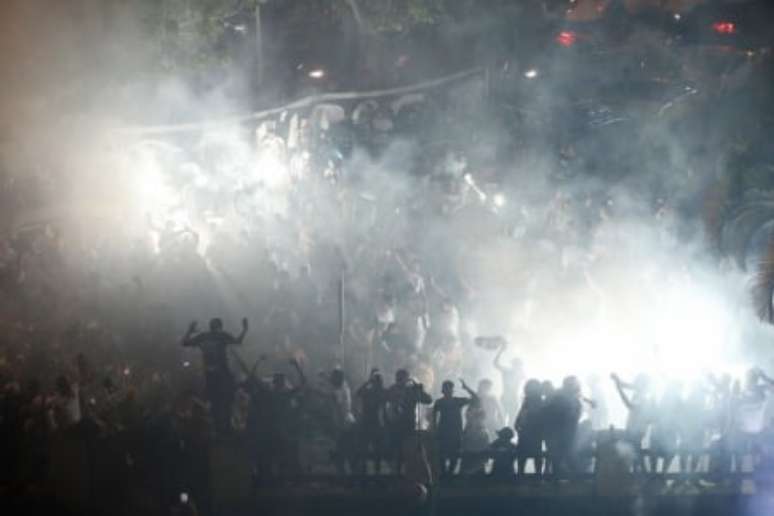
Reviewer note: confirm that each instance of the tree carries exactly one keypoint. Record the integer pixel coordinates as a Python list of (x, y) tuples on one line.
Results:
[(402, 15)]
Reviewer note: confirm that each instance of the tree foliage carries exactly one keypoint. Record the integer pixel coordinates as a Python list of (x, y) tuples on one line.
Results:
[(186, 34), (402, 15), (191, 34)]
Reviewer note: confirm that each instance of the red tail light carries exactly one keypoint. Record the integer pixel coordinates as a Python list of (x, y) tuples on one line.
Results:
[(724, 27), (566, 38)]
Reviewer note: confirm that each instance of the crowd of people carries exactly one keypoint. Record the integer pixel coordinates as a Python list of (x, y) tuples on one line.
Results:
[(350, 275), (712, 427)]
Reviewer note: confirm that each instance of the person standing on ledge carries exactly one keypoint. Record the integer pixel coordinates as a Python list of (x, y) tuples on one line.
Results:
[(218, 379), (447, 423)]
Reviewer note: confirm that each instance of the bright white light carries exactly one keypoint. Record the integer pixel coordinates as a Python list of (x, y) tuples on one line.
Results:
[(531, 73), (272, 171), (149, 192), (668, 329), (317, 74), (178, 217), (201, 181), (499, 200), (677, 16)]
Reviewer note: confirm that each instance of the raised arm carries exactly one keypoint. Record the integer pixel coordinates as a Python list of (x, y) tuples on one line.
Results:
[(241, 336), (440, 292), (467, 389), (187, 339), (625, 385), (300, 371), (424, 398), (497, 359), (619, 385), (400, 261), (766, 378)]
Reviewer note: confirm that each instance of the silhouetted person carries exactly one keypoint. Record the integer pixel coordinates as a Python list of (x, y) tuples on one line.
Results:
[(640, 413), (562, 414), (475, 437), (219, 381), (494, 419), (547, 392), (343, 419), (665, 431), (283, 422), (66, 405), (721, 425), (600, 419), (342, 398), (693, 423), (447, 422), (168, 235), (256, 429), (750, 414), (373, 397), (403, 400), (529, 428), (512, 379), (504, 452)]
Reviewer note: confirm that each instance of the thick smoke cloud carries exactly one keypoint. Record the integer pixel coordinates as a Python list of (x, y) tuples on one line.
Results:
[(593, 260)]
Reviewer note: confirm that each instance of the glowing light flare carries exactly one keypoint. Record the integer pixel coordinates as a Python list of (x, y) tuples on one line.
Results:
[(669, 330), (472, 182), (179, 218), (724, 27), (317, 74), (695, 330), (147, 191), (499, 200), (200, 181), (272, 171), (566, 38), (531, 73)]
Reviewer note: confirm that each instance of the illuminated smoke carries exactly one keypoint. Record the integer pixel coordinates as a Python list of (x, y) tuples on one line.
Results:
[(578, 271)]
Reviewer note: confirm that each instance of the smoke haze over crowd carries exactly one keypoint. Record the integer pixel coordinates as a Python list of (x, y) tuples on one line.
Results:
[(583, 241)]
